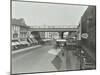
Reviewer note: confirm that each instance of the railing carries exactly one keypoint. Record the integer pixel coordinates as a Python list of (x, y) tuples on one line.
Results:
[(58, 26)]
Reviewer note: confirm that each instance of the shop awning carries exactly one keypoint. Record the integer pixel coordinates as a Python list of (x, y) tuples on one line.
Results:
[(35, 41), (15, 43), (24, 42)]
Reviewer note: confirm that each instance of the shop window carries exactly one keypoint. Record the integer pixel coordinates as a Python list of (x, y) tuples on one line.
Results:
[(15, 35)]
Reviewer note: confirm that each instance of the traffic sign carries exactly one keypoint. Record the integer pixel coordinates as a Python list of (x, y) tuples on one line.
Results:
[(84, 35)]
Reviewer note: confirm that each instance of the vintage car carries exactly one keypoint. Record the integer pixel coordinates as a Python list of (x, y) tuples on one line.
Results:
[(60, 43)]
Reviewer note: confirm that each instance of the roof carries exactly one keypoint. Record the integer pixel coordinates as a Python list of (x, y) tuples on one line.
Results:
[(19, 22), (63, 40)]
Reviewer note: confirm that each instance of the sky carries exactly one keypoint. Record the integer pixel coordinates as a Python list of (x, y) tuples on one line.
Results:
[(40, 14)]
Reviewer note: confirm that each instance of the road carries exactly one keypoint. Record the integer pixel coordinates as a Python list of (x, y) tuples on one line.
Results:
[(44, 59)]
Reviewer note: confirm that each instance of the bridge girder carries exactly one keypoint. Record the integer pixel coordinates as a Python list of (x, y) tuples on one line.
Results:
[(54, 29)]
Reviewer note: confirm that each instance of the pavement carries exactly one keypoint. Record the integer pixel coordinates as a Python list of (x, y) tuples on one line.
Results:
[(72, 61), (25, 49)]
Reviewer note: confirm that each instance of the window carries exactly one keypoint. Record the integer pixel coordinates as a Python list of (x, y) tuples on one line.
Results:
[(15, 35)]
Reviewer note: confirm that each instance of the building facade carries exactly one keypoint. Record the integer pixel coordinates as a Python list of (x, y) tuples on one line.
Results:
[(15, 32), (88, 26), (51, 35), (88, 37), (20, 31), (23, 33), (42, 35)]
